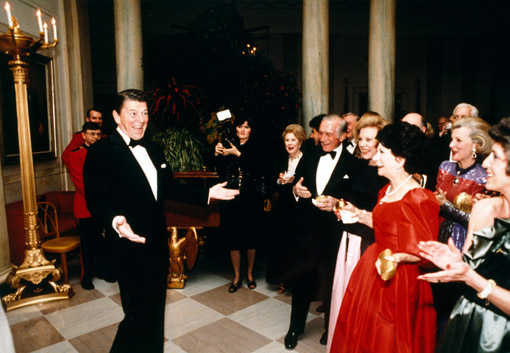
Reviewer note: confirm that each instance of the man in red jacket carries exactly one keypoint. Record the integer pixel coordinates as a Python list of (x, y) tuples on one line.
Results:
[(93, 116), (90, 233)]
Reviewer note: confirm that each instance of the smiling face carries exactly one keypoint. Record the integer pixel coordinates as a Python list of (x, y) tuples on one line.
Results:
[(329, 135), (292, 144), (95, 117), (133, 118), (367, 141), (243, 132), (462, 147), (386, 162), (495, 164)]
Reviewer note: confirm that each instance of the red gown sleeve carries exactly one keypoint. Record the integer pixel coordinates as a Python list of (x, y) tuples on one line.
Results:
[(420, 220)]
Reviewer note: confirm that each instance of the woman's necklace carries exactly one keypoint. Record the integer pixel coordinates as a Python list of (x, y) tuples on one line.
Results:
[(461, 171), (389, 193), (298, 155)]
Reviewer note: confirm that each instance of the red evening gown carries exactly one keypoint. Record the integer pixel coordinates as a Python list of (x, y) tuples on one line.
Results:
[(396, 316)]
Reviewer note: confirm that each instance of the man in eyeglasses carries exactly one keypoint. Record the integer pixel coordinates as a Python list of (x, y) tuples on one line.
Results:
[(89, 231), (93, 116)]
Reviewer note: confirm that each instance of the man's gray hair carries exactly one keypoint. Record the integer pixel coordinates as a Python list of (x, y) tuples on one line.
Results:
[(342, 126), (474, 110)]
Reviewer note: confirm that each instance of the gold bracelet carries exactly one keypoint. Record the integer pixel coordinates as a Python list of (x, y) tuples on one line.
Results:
[(484, 294)]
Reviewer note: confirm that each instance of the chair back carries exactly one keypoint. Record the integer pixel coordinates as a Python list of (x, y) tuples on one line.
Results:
[(47, 219)]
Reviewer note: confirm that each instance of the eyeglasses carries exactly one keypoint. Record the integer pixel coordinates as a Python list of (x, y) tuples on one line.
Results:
[(97, 134)]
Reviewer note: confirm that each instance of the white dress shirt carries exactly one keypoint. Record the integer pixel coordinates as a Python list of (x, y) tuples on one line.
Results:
[(145, 162), (325, 169)]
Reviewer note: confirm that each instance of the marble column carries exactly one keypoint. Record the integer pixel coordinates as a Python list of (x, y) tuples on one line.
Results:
[(128, 44), (381, 58), (315, 59)]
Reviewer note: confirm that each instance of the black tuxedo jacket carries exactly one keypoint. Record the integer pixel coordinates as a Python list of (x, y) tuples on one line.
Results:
[(115, 185), (347, 169)]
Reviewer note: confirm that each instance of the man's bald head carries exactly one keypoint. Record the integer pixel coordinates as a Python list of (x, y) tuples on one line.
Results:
[(417, 120)]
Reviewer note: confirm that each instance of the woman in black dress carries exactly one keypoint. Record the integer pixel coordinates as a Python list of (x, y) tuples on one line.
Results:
[(285, 210), (240, 163)]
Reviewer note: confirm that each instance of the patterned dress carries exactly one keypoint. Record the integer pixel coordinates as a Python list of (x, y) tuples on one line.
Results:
[(454, 180)]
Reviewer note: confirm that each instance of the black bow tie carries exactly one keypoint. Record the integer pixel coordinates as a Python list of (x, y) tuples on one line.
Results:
[(332, 153), (347, 143), (134, 143)]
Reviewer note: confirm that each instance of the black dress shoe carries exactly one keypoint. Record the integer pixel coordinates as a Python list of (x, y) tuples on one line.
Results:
[(324, 338), (87, 284), (291, 339)]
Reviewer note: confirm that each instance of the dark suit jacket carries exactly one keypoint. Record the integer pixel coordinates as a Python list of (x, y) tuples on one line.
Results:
[(347, 169), (316, 244), (116, 185)]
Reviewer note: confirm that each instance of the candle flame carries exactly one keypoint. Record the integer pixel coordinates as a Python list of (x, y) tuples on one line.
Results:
[(53, 22), (7, 6)]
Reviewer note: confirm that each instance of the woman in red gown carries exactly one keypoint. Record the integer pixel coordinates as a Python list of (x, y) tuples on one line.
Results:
[(396, 315)]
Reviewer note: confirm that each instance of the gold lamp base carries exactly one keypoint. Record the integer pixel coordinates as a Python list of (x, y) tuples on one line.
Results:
[(33, 287)]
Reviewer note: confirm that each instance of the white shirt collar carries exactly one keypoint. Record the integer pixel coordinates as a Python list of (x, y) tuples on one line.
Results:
[(125, 137)]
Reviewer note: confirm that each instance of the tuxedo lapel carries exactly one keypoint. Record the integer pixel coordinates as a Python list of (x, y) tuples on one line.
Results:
[(340, 173), (128, 162)]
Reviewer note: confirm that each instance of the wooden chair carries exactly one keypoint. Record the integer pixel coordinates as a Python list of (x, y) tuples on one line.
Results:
[(50, 235)]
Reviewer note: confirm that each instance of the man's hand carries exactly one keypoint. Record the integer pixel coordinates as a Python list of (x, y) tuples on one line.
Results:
[(125, 231), (219, 192), (301, 191), (326, 203)]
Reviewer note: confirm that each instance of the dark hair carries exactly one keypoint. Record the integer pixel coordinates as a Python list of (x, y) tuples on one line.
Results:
[(240, 121), (90, 126), (128, 95), (406, 141), (500, 133), (316, 121), (93, 109)]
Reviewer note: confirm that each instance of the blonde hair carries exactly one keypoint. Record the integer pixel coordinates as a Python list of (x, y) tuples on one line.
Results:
[(295, 129), (479, 133), (369, 119)]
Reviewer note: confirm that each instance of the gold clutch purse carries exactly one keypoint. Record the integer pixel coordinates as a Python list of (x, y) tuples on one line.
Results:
[(388, 268)]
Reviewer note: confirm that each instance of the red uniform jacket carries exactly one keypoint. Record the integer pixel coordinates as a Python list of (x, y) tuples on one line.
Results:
[(74, 160)]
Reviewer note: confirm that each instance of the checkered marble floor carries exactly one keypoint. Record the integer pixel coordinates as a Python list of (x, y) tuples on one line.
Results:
[(202, 317)]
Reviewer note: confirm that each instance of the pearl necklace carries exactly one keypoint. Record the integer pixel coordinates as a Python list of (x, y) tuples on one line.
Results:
[(389, 193)]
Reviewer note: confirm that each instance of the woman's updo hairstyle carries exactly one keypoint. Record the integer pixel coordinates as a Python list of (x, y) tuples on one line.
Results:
[(500, 133), (406, 141)]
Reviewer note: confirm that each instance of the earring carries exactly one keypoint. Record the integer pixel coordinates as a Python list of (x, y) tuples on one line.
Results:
[(474, 155)]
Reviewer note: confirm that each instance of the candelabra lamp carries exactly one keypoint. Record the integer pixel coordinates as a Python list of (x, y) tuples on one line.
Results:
[(35, 280)]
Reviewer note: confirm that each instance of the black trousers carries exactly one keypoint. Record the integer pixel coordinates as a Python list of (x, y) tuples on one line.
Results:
[(143, 303), (92, 247), (317, 284)]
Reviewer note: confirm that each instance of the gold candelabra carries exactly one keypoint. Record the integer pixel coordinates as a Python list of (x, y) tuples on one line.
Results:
[(31, 279)]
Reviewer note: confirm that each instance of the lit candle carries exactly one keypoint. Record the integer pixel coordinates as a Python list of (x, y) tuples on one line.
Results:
[(54, 23), (9, 16), (45, 32), (39, 20)]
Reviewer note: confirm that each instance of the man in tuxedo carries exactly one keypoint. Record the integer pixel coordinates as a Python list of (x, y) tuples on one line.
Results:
[(329, 175), (126, 181), (349, 142)]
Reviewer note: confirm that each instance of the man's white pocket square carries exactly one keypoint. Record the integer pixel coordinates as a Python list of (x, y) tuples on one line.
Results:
[(163, 166), (346, 176)]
